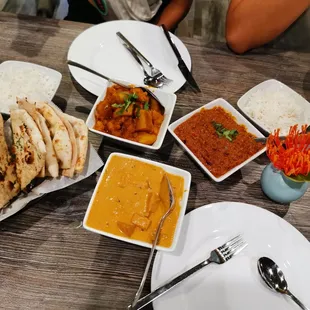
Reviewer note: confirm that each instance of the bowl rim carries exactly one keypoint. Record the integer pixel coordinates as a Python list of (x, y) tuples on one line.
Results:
[(241, 103), (183, 203), (160, 136), (228, 107)]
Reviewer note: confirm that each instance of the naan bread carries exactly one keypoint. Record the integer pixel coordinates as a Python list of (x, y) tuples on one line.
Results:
[(59, 133), (81, 136), (69, 172), (51, 163), (29, 158), (9, 186)]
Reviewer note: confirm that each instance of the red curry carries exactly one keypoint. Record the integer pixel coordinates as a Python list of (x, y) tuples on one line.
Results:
[(218, 141)]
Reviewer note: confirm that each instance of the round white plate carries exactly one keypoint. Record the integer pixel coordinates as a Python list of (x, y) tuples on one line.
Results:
[(100, 49), (235, 285)]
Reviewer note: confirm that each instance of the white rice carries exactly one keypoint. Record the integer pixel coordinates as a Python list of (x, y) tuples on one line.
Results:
[(276, 108), (24, 82)]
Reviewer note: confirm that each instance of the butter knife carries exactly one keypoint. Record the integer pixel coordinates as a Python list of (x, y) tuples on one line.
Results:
[(182, 66)]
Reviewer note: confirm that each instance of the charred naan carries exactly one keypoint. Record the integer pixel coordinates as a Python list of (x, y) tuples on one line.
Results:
[(51, 164), (9, 186)]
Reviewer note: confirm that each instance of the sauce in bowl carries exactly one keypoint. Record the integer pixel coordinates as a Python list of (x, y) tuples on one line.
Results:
[(128, 201)]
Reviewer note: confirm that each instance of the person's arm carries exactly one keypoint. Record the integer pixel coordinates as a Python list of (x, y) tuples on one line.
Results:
[(252, 23), (174, 12)]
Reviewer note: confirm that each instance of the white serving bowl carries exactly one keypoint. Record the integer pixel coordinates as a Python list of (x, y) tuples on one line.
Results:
[(183, 203), (166, 99), (273, 87), (240, 120)]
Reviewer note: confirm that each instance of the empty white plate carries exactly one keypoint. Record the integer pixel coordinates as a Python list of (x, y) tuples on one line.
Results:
[(235, 285), (100, 49)]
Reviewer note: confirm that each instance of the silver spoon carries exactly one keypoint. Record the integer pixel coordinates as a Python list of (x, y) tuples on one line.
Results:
[(148, 80), (166, 182), (78, 65), (274, 278)]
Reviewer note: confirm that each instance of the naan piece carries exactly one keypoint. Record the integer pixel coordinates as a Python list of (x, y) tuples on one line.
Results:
[(59, 133), (29, 159), (51, 163), (69, 172), (9, 186), (81, 136)]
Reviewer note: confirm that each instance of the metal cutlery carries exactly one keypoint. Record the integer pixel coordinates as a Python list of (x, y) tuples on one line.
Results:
[(171, 199), (78, 65), (274, 278), (182, 66), (148, 80), (264, 140), (154, 71), (219, 255)]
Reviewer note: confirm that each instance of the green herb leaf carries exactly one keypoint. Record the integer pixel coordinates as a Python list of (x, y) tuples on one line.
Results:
[(221, 131), (133, 97), (138, 111), (146, 106), (117, 105)]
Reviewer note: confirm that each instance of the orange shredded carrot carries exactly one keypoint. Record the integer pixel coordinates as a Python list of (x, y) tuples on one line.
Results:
[(292, 155)]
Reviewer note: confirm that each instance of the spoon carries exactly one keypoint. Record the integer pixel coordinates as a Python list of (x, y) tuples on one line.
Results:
[(274, 278), (264, 140), (148, 80), (166, 195), (78, 65)]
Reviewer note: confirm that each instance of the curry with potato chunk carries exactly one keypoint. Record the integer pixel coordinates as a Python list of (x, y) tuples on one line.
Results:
[(132, 198), (129, 113)]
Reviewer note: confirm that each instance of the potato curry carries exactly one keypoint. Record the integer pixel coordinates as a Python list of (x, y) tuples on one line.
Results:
[(131, 199), (217, 140), (129, 113)]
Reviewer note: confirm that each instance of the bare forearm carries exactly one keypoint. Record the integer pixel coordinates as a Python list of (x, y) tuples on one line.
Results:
[(251, 23), (175, 11)]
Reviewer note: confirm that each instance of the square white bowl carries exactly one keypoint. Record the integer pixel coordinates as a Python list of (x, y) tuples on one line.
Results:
[(183, 203), (240, 120), (275, 86), (34, 94), (166, 99)]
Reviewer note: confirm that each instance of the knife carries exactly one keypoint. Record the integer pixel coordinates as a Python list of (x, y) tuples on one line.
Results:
[(182, 66)]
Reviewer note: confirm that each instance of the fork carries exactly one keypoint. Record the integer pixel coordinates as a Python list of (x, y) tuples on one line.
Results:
[(219, 255), (155, 73)]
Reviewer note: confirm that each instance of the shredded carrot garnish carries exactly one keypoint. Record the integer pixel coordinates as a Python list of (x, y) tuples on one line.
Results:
[(292, 155)]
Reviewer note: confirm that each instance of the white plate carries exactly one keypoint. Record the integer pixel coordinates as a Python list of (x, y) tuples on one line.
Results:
[(100, 49), (22, 83), (166, 99), (235, 285), (183, 203), (273, 87), (240, 120)]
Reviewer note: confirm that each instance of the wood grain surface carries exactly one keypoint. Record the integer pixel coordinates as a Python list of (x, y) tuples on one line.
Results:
[(47, 260)]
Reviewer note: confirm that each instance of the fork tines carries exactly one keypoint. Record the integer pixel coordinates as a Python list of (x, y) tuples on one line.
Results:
[(232, 247)]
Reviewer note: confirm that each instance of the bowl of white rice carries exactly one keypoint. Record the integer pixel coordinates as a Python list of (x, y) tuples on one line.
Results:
[(24, 79), (272, 105)]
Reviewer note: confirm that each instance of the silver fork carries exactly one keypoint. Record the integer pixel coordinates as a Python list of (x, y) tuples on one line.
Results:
[(219, 256), (155, 73)]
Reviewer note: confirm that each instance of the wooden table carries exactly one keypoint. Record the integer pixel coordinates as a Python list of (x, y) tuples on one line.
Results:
[(47, 260)]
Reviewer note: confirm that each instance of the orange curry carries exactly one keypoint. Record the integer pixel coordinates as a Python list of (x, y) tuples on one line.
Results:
[(129, 113), (131, 199), (217, 140)]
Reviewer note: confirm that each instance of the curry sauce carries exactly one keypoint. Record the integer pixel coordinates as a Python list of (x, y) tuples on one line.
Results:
[(128, 201), (217, 140)]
